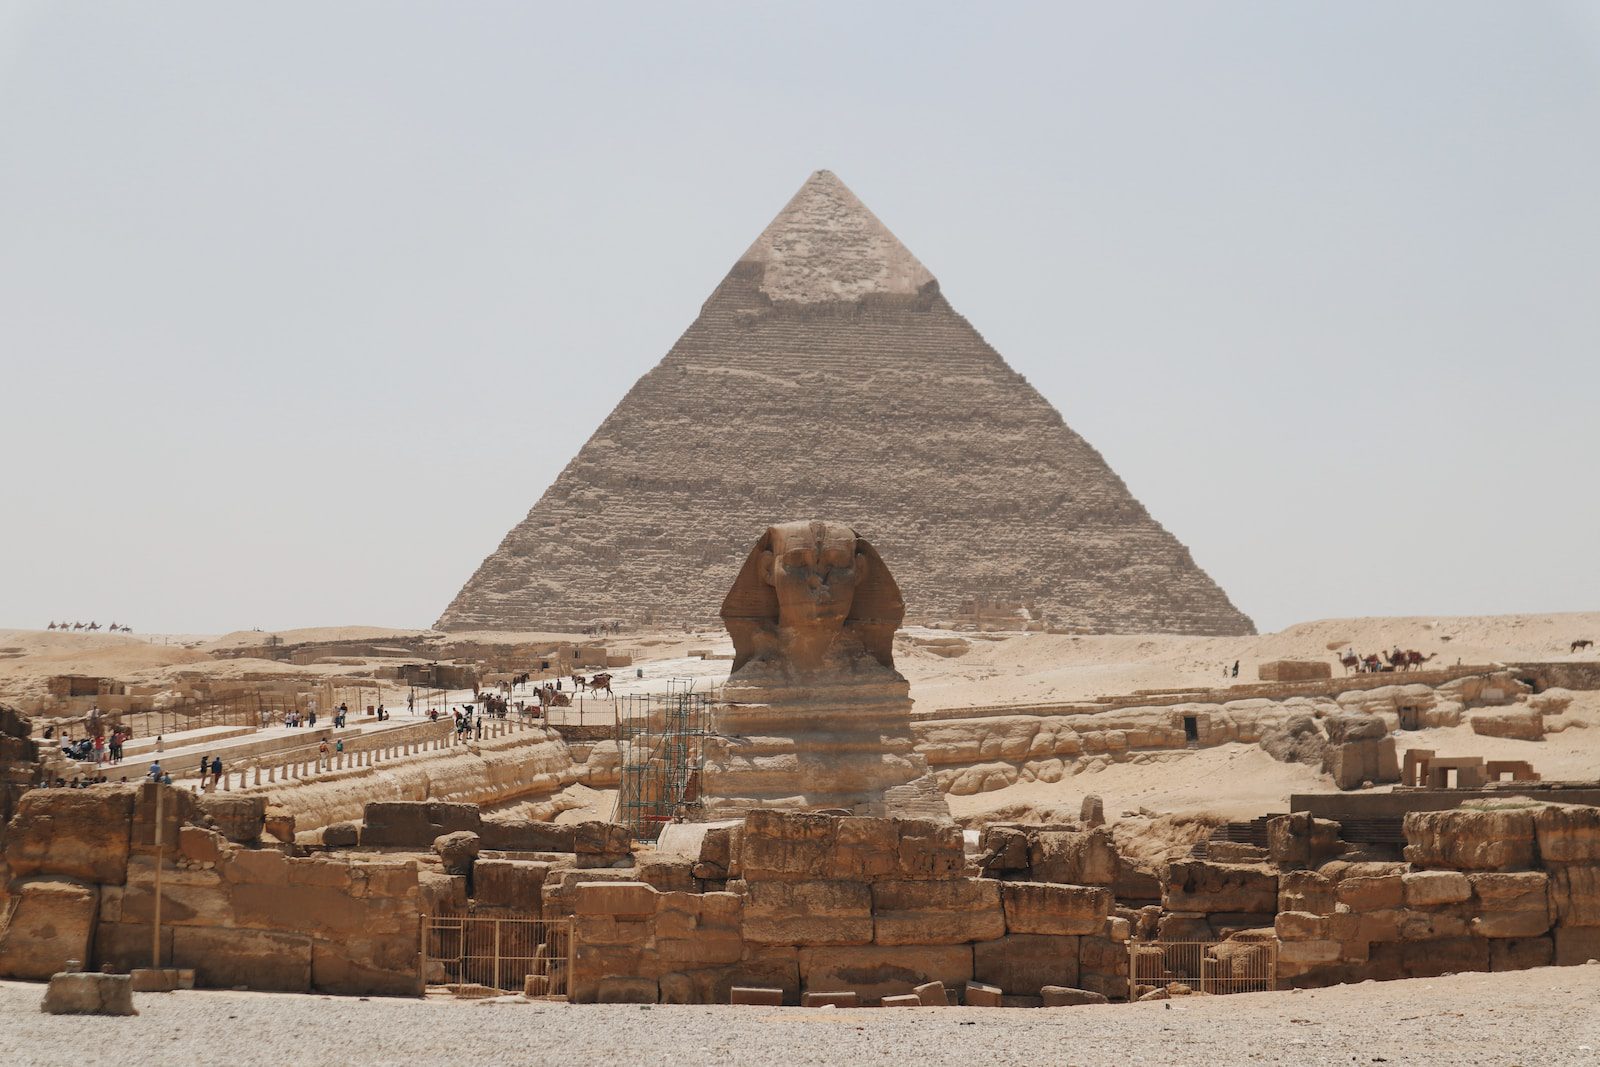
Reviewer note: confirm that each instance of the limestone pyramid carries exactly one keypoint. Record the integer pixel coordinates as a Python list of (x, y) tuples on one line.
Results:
[(827, 376)]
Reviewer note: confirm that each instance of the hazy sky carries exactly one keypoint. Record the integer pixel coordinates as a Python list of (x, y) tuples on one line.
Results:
[(302, 306)]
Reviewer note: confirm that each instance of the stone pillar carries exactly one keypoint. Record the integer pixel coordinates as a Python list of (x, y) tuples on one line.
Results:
[(258, 774), (271, 774)]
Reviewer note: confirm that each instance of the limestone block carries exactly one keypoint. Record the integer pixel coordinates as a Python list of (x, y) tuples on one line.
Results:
[(1576, 945), (628, 990), (1059, 996), (1575, 892), (808, 913), (199, 845), (1371, 894), (1074, 858), (1520, 954), (1198, 886), (517, 885), (1517, 724), (1307, 891), (840, 999), (1301, 926), (525, 835), (1428, 888), (937, 912), (239, 818), (341, 835), (366, 966), (877, 971), (1047, 908), (1176, 926), (457, 850), (669, 874), (1568, 833), (256, 959), (756, 996), (634, 900), (72, 833), (1429, 959), (1512, 890), (1299, 840), (601, 839), (561, 887), (1006, 847), (51, 921), (89, 994), (1511, 924), (1468, 840), (1306, 954), (932, 995), (903, 1000), (982, 995), (415, 823), (1021, 964)]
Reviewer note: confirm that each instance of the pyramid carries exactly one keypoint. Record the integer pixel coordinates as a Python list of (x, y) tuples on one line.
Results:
[(827, 376)]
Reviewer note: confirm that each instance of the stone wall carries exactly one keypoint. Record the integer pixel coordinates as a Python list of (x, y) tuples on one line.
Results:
[(1510, 887), (816, 903), (82, 869)]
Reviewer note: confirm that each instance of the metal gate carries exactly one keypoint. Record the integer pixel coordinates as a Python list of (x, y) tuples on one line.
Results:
[(1203, 966), (516, 955)]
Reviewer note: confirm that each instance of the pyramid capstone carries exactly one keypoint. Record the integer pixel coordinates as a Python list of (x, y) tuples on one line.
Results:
[(828, 375)]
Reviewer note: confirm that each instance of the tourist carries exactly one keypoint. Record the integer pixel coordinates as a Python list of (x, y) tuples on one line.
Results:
[(1236, 668), (216, 770), (155, 771), (160, 746), (338, 746), (322, 754)]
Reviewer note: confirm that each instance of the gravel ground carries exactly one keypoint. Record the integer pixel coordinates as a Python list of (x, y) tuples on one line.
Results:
[(1542, 1018)]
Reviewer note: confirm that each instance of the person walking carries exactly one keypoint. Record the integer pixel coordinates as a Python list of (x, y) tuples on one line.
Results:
[(216, 770), (322, 755)]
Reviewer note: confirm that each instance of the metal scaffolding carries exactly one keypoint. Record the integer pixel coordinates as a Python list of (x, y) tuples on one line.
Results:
[(660, 737)]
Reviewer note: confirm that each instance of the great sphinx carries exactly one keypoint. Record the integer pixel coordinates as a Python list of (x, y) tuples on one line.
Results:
[(814, 715)]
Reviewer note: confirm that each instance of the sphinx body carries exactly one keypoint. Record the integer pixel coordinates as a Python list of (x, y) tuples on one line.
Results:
[(814, 715)]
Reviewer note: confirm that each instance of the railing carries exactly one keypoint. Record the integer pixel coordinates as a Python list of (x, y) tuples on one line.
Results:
[(1203, 966), (532, 956)]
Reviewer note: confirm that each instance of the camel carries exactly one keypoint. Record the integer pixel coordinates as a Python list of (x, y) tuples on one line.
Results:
[(1371, 663), (52, 625), (601, 683), (77, 626), (1350, 662), (1417, 659), (92, 626), (551, 697), (1582, 643)]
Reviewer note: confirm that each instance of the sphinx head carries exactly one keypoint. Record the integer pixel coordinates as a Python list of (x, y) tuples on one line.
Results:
[(803, 585)]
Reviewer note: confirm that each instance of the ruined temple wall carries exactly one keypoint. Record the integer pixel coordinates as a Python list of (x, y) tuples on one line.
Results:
[(82, 867)]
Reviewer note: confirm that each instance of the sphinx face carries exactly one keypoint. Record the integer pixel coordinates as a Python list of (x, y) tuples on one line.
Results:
[(814, 568)]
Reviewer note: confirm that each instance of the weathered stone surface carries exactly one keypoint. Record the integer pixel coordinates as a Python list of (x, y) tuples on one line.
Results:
[(1047, 908), (1301, 926), (932, 995), (1201, 887), (1299, 840), (415, 823), (516, 885), (1022, 964), (257, 959), (1520, 954), (1568, 833), (341, 835), (846, 998), (1308, 891), (1428, 888), (457, 850), (525, 835), (1429, 959), (1074, 858), (615, 899), (785, 846), (1371, 894), (89, 994), (51, 921), (597, 838), (1575, 893), (755, 996), (1468, 840), (807, 913), (1517, 724), (628, 990), (828, 292), (877, 971), (73, 833), (1576, 944), (669, 874), (237, 817), (1058, 996), (937, 912), (1359, 750), (982, 995)]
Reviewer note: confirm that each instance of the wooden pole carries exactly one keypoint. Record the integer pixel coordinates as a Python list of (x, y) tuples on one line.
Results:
[(155, 932)]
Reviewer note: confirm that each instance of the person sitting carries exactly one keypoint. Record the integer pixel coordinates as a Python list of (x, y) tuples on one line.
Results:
[(155, 771)]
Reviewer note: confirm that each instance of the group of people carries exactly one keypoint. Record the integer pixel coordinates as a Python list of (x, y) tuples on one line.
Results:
[(97, 748)]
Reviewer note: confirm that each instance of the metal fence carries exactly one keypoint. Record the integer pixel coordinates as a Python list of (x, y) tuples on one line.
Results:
[(1203, 966), (505, 954)]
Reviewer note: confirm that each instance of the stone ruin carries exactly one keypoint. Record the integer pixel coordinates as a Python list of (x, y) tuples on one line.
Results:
[(829, 374), (814, 715)]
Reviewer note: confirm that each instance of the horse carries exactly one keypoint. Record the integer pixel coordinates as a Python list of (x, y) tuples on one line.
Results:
[(601, 683), (1582, 643)]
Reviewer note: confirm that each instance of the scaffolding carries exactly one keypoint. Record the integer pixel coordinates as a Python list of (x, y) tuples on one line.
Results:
[(660, 737)]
